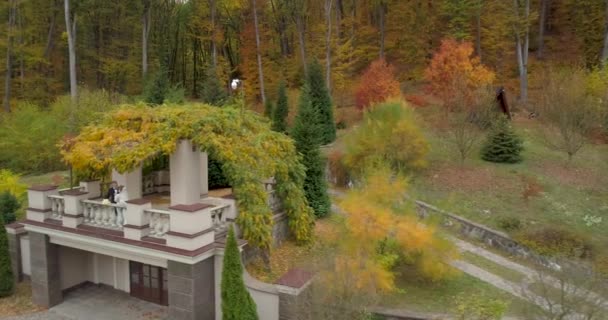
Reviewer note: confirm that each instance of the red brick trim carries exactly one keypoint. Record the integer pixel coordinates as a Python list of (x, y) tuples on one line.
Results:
[(74, 192), (295, 278), (139, 201), (154, 240), (14, 226), (131, 226), (44, 187), (94, 232), (191, 207), (38, 210), (73, 215), (189, 236), (229, 196)]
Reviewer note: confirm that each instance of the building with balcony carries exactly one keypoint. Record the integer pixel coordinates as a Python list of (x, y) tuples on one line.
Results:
[(164, 245)]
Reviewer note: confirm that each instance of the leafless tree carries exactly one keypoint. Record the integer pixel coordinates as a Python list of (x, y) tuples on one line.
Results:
[(567, 110), (572, 293), (469, 113)]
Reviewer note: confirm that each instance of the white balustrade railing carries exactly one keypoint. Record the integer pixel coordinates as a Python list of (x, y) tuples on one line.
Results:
[(218, 216), (107, 215), (148, 184), (159, 222), (57, 206)]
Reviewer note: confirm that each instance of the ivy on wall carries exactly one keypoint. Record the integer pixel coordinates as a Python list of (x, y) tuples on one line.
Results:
[(241, 140)]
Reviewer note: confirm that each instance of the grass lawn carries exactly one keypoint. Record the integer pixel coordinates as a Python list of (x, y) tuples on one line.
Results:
[(493, 267), (18, 303), (485, 192), (61, 178), (422, 296)]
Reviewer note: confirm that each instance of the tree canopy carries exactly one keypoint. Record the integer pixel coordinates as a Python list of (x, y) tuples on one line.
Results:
[(241, 140)]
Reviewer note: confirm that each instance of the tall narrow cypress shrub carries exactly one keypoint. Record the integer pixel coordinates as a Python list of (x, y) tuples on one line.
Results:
[(503, 145), (237, 304), (279, 116), (7, 282), (308, 136), (321, 102)]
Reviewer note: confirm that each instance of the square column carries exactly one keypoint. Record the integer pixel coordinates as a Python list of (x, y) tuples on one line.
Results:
[(138, 222), (14, 232), (131, 180), (39, 204), (204, 174), (191, 290), (185, 170), (73, 210), (46, 282)]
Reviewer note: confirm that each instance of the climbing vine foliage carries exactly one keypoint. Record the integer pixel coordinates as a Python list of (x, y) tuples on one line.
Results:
[(241, 140)]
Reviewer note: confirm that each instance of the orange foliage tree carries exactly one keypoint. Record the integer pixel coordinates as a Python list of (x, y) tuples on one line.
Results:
[(379, 231), (454, 63), (377, 84)]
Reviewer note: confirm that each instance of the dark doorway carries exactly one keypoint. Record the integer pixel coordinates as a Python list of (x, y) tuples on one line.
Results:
[(149, 283)]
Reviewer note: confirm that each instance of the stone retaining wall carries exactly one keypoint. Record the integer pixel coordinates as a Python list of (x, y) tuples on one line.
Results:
[(495, 238)]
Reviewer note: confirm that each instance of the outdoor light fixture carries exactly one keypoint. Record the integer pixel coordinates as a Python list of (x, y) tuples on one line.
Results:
[(235, 83)]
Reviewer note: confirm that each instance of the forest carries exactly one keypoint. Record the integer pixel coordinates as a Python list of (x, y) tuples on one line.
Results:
[(120, 45)]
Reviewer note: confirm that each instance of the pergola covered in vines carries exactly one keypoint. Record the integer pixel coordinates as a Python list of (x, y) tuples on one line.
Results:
[(241, 140)]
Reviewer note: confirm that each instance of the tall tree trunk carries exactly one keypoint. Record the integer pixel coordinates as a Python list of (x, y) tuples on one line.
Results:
[(542, 22), (300, 27), (49, 37), (328, 5), (213, 9), (605, 50), (478, 31), (145, 35), (9, 56), (70, 25), (522, 46), (258, 52), (382, 29), (21, 57)]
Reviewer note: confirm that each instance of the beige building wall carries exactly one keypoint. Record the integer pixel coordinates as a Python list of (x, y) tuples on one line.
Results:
[(74, 267), (26, 267)]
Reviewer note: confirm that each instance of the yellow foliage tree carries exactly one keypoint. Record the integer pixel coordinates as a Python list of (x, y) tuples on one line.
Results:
[(379, 230), (388, 133), (10, 182)]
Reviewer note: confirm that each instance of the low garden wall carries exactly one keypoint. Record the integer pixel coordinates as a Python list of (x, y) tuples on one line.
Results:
[(279, 301), (494, 238)]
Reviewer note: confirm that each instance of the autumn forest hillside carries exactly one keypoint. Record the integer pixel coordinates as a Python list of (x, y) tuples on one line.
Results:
[(122, 45)]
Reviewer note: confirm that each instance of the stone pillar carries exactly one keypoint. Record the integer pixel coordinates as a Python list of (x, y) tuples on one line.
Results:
[(14, 232), (39, 204), (131, 180), (294, 294), (191, 226), (73, 209), (191, 290), (204, 174), (138, 224), (185, 167), (46, 283)]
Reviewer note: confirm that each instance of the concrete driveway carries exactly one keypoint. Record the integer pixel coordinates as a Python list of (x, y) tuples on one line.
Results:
[(93, 302)]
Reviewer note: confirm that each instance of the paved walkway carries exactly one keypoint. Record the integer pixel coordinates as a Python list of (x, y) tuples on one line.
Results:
[(93, 302)]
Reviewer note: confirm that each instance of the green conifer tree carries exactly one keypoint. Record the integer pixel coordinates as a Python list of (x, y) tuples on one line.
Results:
[(268, 108), (279, 116), (308, 136), (8, 206), (237, 304), (7, 282), (156, 87), (212, 91), (321, 102), (503, 145)]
